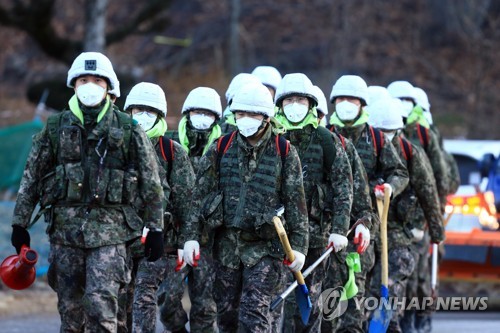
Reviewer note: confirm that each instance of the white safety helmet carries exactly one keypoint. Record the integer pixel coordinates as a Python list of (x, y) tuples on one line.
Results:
[(377, 92), (203, 98), (148, 94), (253, 97), (116, 90), (295, 84), (351, 86), (385, 113), (422, 99), (237, 82), (402, 89), (320, 96), (268, 75), (93, 63)]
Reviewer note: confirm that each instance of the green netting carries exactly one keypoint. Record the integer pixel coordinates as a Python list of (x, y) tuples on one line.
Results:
[(15, 145)]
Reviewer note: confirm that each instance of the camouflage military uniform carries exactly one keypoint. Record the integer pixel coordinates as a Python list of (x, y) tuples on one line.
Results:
[(420, 250), (378, 165), (402, 256), (361, 210), (203, 312), (451, 165), (79, 167), (150, 275), (328, 188), (435, 155), (247, 250)]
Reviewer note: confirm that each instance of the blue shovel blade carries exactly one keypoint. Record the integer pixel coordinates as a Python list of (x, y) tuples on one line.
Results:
[(304, 302), (382, 315)]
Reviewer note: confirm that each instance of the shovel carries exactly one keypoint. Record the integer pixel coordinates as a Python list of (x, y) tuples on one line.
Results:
[(301, 293), (382, 315), (278, 300), (434, 269)]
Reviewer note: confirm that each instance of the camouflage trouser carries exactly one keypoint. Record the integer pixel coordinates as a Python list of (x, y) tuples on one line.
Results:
[(170, 293), (401, 266), (203, 312), (87, 282), (244, 295), (292, 321), (353, 319), (125, 299), (419, 284), (148, 279)]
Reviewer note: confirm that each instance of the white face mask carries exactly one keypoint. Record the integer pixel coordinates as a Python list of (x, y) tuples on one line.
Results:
[(201, 122), (90, 94), (295, 112), (407, 108), (248, 126), (347, 111), (145, 120)]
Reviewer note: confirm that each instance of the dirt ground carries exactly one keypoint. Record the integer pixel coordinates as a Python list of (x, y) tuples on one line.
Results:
[(37, 299)]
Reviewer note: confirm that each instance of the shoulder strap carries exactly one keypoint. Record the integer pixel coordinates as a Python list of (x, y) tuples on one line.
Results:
[(167, 154), (283, 147), (378, 139), (53, 124), (125, 121), (342, 139), (407, 149), (224, 143), (423, 135)]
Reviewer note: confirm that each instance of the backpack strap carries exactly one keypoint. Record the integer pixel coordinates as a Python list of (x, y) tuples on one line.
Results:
[(378, 139), (342, 139), (423, 135), (407, 149), (125, 121), (53, 125), (224, 143), (167, 154), (283, 147)]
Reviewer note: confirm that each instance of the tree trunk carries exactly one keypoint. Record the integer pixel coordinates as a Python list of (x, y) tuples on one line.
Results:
[(95, 25)]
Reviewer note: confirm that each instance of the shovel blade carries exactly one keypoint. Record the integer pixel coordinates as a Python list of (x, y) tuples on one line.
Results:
[(303, 302), (382, 315)]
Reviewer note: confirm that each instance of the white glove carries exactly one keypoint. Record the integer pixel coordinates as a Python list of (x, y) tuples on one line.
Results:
[(298, 263), (339, 242), (418, 234), (181, 263), (361, 238), (192, 253), (380, 190)]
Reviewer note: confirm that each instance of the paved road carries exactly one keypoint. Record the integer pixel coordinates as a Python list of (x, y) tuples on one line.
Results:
[(453, 322)]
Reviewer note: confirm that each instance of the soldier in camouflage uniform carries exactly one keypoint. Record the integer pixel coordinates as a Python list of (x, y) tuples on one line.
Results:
[(147, 104), (238, 189), (327, 184), (227, 121), (386, 115), (361, 211), (349, 95), (82, 173), (198, 129), (419, 285), (451, 165)]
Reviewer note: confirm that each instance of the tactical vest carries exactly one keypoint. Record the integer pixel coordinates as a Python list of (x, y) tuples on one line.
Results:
[(316, 163), (249, 205), (367, 151), (93, 172)]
